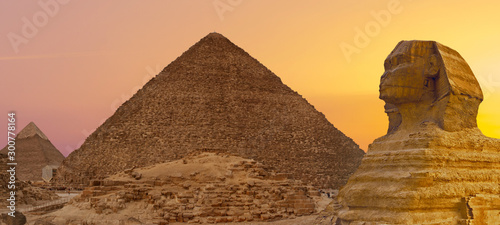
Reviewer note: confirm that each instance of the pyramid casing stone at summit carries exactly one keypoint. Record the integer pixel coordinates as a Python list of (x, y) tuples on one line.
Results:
[(434, 166), (34, 151), (216, 97)]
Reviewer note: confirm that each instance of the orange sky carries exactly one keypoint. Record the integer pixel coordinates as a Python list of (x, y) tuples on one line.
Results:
[(80, 59)]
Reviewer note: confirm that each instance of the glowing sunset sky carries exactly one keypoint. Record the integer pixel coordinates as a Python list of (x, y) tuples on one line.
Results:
[(68, 66)]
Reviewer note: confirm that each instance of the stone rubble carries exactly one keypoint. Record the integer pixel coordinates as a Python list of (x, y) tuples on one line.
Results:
[(195, 190)]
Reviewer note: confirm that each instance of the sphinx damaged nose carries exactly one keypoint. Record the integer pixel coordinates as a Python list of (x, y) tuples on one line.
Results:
[(383, 77)]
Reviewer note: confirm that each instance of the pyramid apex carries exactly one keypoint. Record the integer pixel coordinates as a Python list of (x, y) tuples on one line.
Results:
[(31, 130), (215, 35)]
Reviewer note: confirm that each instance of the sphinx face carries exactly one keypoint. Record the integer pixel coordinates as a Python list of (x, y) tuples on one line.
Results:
[(404, 78)]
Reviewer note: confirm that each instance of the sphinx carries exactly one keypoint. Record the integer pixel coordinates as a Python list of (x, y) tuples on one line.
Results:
[(434, 166)]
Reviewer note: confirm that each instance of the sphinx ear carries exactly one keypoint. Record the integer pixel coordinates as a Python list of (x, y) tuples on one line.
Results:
[(433, 65)]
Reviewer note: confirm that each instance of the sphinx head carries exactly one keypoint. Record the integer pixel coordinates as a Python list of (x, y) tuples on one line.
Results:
[(425, 81), (410, 73)]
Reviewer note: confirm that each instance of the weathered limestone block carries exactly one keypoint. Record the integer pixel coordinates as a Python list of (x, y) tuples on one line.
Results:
[(434, 166)]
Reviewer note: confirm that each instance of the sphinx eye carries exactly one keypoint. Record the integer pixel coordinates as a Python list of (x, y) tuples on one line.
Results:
[(387, 64), (403, 59)]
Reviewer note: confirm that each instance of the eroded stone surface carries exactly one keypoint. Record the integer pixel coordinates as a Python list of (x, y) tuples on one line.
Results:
[(434, 166), (425, 81)]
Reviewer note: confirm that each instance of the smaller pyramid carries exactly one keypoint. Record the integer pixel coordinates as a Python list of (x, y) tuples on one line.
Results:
[(31, 130), (34, 151)]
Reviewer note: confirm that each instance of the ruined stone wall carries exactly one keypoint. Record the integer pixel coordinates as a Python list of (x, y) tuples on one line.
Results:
[(248, 191)]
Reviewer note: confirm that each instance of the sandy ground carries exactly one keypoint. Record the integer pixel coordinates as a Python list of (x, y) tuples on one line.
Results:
[(71, 210), (303, 220)]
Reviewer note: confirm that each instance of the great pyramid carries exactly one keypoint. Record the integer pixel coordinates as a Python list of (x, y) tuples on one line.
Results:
[(216, 97), (33, 152)]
